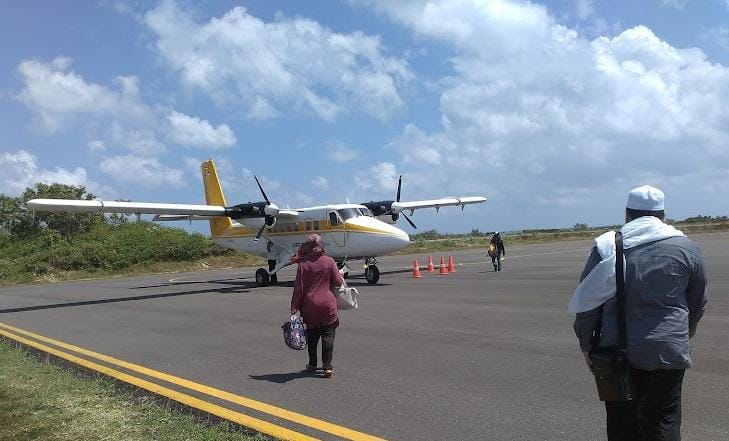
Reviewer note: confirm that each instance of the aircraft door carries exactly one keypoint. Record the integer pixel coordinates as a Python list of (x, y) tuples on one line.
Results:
[(337, 230)]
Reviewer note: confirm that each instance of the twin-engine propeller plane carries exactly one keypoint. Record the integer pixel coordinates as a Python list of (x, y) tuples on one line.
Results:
[(349, 231)]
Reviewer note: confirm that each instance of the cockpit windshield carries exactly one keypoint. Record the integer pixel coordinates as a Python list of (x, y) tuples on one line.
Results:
[(348, 213), (365, 211)]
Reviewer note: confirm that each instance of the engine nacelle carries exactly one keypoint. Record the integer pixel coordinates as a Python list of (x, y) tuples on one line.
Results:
[(258, 222), (388, 218)]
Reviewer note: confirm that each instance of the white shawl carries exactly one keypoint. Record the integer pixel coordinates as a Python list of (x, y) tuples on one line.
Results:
[(599, 285)]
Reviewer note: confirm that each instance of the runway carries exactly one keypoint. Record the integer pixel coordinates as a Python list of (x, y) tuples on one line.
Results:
[(474, 355)]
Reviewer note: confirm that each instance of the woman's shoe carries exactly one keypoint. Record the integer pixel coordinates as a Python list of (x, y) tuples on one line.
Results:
[(310, 368), (328, 373)]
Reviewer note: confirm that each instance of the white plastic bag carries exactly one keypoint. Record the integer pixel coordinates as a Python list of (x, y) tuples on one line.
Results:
[(347, 297)]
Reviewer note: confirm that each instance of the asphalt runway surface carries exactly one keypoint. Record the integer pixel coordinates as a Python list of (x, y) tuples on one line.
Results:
[(475, 355)]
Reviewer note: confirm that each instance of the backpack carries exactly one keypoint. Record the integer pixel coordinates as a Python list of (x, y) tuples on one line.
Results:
[(492, 250), (294, 333)]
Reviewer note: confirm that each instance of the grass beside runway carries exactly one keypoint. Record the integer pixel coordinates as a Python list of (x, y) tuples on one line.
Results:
[(466, 241), (40, 401)]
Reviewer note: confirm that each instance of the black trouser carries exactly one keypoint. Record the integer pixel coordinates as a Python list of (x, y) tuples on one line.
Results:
[(327, 344), (655, 415), (496, 260), (271, 267)]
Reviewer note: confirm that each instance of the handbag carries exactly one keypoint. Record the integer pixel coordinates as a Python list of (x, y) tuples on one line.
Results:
[(294, 333), (610, 365), (347, 297)]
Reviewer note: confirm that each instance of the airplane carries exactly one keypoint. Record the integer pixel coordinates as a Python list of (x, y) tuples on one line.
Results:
[(348, 231)]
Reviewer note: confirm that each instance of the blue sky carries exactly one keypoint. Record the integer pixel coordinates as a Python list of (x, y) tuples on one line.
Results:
[(553, 110)]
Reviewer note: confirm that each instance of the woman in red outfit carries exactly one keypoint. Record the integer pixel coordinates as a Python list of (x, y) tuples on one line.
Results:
[(314, 298)]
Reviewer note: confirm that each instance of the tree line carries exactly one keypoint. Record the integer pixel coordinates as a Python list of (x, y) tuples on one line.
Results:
[(16, 222)]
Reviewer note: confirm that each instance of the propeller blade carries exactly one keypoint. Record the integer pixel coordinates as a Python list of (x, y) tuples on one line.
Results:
[(412, 224), (399, 186), (262, 192), (260, 233)]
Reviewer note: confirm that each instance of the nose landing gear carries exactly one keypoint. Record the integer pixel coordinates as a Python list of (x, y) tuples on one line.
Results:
[(372, 273)]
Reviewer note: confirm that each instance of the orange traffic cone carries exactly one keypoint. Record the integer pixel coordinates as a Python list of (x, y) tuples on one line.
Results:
[(443, 270), (431, 268), (416, 270), (451, 265)]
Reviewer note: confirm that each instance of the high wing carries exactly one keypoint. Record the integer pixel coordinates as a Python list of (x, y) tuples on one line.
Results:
[(398, 207), (97, 206), (164, 211)]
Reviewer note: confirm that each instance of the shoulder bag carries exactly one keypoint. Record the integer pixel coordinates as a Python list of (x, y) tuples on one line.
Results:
[(346, 297), (610, 365)]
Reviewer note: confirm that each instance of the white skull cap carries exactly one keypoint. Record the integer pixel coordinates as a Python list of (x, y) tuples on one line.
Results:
[(645, 198)]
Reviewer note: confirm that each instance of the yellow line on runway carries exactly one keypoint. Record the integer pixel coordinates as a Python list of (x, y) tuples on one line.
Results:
[(237, 417), (295, 417)]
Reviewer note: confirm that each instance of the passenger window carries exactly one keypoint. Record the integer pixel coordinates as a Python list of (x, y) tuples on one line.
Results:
[(308, 226), (316, 225)]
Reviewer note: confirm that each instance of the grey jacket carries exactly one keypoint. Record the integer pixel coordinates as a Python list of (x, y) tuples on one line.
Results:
[(665, 287)]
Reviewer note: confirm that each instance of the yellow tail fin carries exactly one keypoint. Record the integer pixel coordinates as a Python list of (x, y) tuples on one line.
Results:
[(214, 196)]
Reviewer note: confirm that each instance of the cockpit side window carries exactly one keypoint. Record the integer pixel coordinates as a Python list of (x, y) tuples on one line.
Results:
[(333, 218), (348, 213)]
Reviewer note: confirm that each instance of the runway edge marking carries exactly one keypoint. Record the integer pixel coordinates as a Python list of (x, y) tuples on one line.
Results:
[(288, 415), (213, 409)]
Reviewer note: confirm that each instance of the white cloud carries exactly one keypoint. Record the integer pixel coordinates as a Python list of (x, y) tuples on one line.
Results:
[(96, 146), (270, 67), (531, 108), (191, 131), (261, 110), (114, 118), (678, 4), (320, 182), (418, 147), (139, 140), (585, 8), (340, 152), (143, 172), (19, 171), (718, 36), (58, 95), (192, 165), (380, 178)]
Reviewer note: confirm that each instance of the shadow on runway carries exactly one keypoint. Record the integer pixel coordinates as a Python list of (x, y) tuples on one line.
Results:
[(232, 290), (235, 281), (351, 280), (283, 378)]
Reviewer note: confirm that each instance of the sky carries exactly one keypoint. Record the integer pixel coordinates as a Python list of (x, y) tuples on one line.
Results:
[(552, 110)]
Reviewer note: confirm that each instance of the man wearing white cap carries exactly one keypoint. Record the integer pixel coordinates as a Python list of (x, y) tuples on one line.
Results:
[(665, 297)]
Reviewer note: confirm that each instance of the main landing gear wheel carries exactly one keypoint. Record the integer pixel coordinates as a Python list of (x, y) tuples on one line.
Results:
[(262, 277), (372, 274)]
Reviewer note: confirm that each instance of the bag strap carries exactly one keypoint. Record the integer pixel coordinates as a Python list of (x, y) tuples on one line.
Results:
[(620, 286)]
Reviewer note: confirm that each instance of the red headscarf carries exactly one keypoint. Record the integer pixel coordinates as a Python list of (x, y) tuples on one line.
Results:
[(312, 247)]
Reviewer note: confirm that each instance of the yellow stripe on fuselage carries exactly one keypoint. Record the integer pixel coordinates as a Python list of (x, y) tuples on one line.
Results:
[(351, 228)]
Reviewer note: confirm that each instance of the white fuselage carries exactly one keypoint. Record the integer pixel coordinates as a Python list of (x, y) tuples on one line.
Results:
[(348, 232)]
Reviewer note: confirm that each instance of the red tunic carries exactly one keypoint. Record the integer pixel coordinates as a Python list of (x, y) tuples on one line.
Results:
[(313, 296)]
